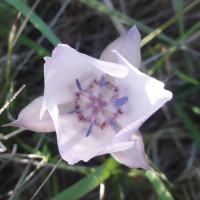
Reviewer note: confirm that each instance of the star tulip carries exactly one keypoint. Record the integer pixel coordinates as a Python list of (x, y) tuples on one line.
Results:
[(96, 106)]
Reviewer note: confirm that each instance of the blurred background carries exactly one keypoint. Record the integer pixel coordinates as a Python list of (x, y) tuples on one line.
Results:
[(29, 30)]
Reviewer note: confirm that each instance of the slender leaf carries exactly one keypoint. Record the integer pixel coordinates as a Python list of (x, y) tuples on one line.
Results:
[(190, 31), (89, 182), (35, 20), (178, 7), (124, 19), (185, 77), (168, 23), (129, 21), (160, 61), (185, 90), (188, 123), (159, 186), (27, 42)]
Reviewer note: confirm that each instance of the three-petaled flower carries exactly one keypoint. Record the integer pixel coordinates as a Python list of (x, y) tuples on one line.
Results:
[(96, 106)]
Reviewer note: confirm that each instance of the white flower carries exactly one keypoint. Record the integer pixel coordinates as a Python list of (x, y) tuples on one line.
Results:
[(96, 106)]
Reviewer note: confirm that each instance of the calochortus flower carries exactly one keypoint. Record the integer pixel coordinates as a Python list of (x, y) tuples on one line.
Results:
[(96, 106)]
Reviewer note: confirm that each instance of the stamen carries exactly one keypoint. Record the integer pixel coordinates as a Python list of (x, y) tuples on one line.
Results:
[(98, 104), (87, 106), (95, 112), (89, 96), (120, 102), (102, 82), (90, 129), (101, 85), (74, 111), (112, 122), (79, 85)]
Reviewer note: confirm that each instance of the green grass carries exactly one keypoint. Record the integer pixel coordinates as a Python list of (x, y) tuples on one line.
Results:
[(171, 53)]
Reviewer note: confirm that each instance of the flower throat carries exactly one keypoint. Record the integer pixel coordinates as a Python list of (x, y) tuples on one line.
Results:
[(98, 105)]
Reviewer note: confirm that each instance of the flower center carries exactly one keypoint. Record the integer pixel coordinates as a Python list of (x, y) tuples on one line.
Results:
[(98, 105)]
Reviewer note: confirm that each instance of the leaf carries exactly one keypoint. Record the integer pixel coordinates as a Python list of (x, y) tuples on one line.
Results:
[(123, 18), (159, 186), (188, 123), (90, 182), (185, 77), (129, 21), (158, 31), (41, 51), (185, 89), (35, 20)]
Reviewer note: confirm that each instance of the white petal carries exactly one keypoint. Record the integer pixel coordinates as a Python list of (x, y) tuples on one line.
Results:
[(133, 157), (66, 65), (109, 68), (128, 45), (29, 118), (146, 95), (116, 147), (72, 141), (126, 133)]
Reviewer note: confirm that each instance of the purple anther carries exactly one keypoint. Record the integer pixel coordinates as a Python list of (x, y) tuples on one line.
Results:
[(112, 122), (120, 102), (74, 111), (90, 129), (79, 85), (102, 82)]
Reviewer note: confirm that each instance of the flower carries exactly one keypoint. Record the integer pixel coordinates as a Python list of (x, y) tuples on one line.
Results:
[(96, 106)]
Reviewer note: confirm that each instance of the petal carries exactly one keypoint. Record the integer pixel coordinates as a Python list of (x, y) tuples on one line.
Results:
[(66, 65), (116, 147), (133, 157), (109, 68), (128, 45), (126, 133), (29, 118), (72, 141), (145, 94)]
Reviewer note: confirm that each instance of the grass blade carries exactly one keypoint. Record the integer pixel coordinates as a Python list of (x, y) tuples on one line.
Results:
[(159, 186), (184, 117), (157, 31), (89, 182), (124, 19), (129, 21), (41, 51), (35, 20), (185, 77), (185, 90)]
